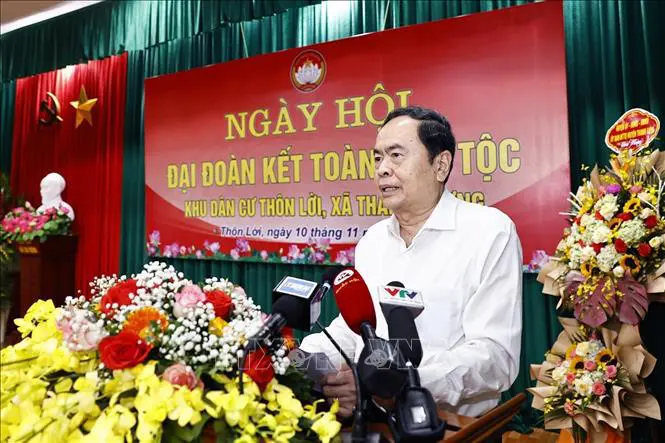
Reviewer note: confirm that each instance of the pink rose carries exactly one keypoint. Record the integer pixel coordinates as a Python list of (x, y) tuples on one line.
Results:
[(569, 407), (610, 372), (264, 255), (570, 378), (235, 254), (182, 375), (188, 297), (598, 388), (79, 333), (589, 365)]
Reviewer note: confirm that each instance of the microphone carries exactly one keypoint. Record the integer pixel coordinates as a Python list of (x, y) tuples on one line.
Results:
[(416, 414), (295, 303), (379, 363), (400, 307)]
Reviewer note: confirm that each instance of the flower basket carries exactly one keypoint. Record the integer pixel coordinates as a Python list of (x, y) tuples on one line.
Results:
[(153, 357)]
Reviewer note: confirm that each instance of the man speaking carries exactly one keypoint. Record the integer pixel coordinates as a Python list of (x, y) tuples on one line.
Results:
[(465, 260)]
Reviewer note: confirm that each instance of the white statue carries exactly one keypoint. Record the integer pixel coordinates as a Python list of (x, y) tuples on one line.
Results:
[(51, 189)]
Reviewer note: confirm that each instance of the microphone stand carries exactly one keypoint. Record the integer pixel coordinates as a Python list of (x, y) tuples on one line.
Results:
[(358, 430)]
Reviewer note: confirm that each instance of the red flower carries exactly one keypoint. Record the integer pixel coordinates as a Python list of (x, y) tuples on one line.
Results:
[(651, 221), (118, 294), (124, 350), (221, 301), (598, 216), (625, 216), (644, 249), (597, 247), (259, 368), (620, 246)]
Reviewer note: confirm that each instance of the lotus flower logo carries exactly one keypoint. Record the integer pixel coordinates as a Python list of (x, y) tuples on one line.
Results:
[(308, 70)]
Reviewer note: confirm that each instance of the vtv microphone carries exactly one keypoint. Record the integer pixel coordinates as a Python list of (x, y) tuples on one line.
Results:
[(400, 307), (416, 413)]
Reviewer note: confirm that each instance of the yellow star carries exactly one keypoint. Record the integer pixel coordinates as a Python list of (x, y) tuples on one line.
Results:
[(83, 108)]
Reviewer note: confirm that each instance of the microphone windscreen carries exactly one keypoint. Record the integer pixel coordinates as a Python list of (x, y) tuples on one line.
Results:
[(291, 309), (329, 275), (354, 300), (396, 284), (402, 329)]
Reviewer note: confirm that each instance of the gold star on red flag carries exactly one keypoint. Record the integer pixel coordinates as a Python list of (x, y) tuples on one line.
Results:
[(83, 108)]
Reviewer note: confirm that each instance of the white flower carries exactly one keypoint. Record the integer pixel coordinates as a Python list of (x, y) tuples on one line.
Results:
[(618, 271), (586, 220), (559, 374), (600, 233), (583, 385), (582, 348), (656, 242), (607, 258), (588, 253), (607, 206), (632, 231), (646, 212)]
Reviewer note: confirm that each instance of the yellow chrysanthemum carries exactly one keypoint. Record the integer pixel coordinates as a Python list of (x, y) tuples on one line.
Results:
[(140, 321), (604, 356), (634, 205), (630, 263)]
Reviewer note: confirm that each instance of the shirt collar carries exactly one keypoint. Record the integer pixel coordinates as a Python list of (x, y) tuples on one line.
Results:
[(442, 217)]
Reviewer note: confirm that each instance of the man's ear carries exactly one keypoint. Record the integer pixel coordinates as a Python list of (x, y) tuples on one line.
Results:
[(442, 163)]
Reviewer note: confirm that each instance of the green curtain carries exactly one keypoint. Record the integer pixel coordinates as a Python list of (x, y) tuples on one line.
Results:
[(7, 94), (113, 26), (615, 61)]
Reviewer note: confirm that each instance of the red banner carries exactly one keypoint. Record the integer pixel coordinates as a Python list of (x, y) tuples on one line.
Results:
[(270, 157)]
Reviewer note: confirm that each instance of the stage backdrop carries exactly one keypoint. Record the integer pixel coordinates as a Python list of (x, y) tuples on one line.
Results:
[(270, 157)]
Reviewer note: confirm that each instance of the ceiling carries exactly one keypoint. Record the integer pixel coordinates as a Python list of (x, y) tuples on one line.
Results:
[(21, 10)]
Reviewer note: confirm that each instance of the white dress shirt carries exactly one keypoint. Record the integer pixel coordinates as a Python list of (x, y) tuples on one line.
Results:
[(467, 262)]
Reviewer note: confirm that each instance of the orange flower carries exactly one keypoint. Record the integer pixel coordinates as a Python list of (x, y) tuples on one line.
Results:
[(140, 321)]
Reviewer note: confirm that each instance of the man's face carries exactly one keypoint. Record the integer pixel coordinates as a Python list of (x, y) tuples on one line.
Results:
[(406, 179)]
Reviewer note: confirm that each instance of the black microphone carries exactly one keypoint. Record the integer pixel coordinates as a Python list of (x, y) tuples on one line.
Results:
[(416, 415), (400, 307)]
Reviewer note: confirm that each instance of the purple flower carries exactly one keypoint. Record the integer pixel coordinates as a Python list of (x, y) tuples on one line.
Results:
[(173, 250), (154, 237), (235, 254), (212, 247), (613, 188), (539, 259), (243, 245), (319, 257), (199, 254)]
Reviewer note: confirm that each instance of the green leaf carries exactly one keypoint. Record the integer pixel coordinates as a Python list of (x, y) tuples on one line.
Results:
[(222, 431), (173, 433)]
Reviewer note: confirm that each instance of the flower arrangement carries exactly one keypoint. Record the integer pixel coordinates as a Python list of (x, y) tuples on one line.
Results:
[(25, 224), (614, 247), (584, 385), (317, 251), (151, 356)]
